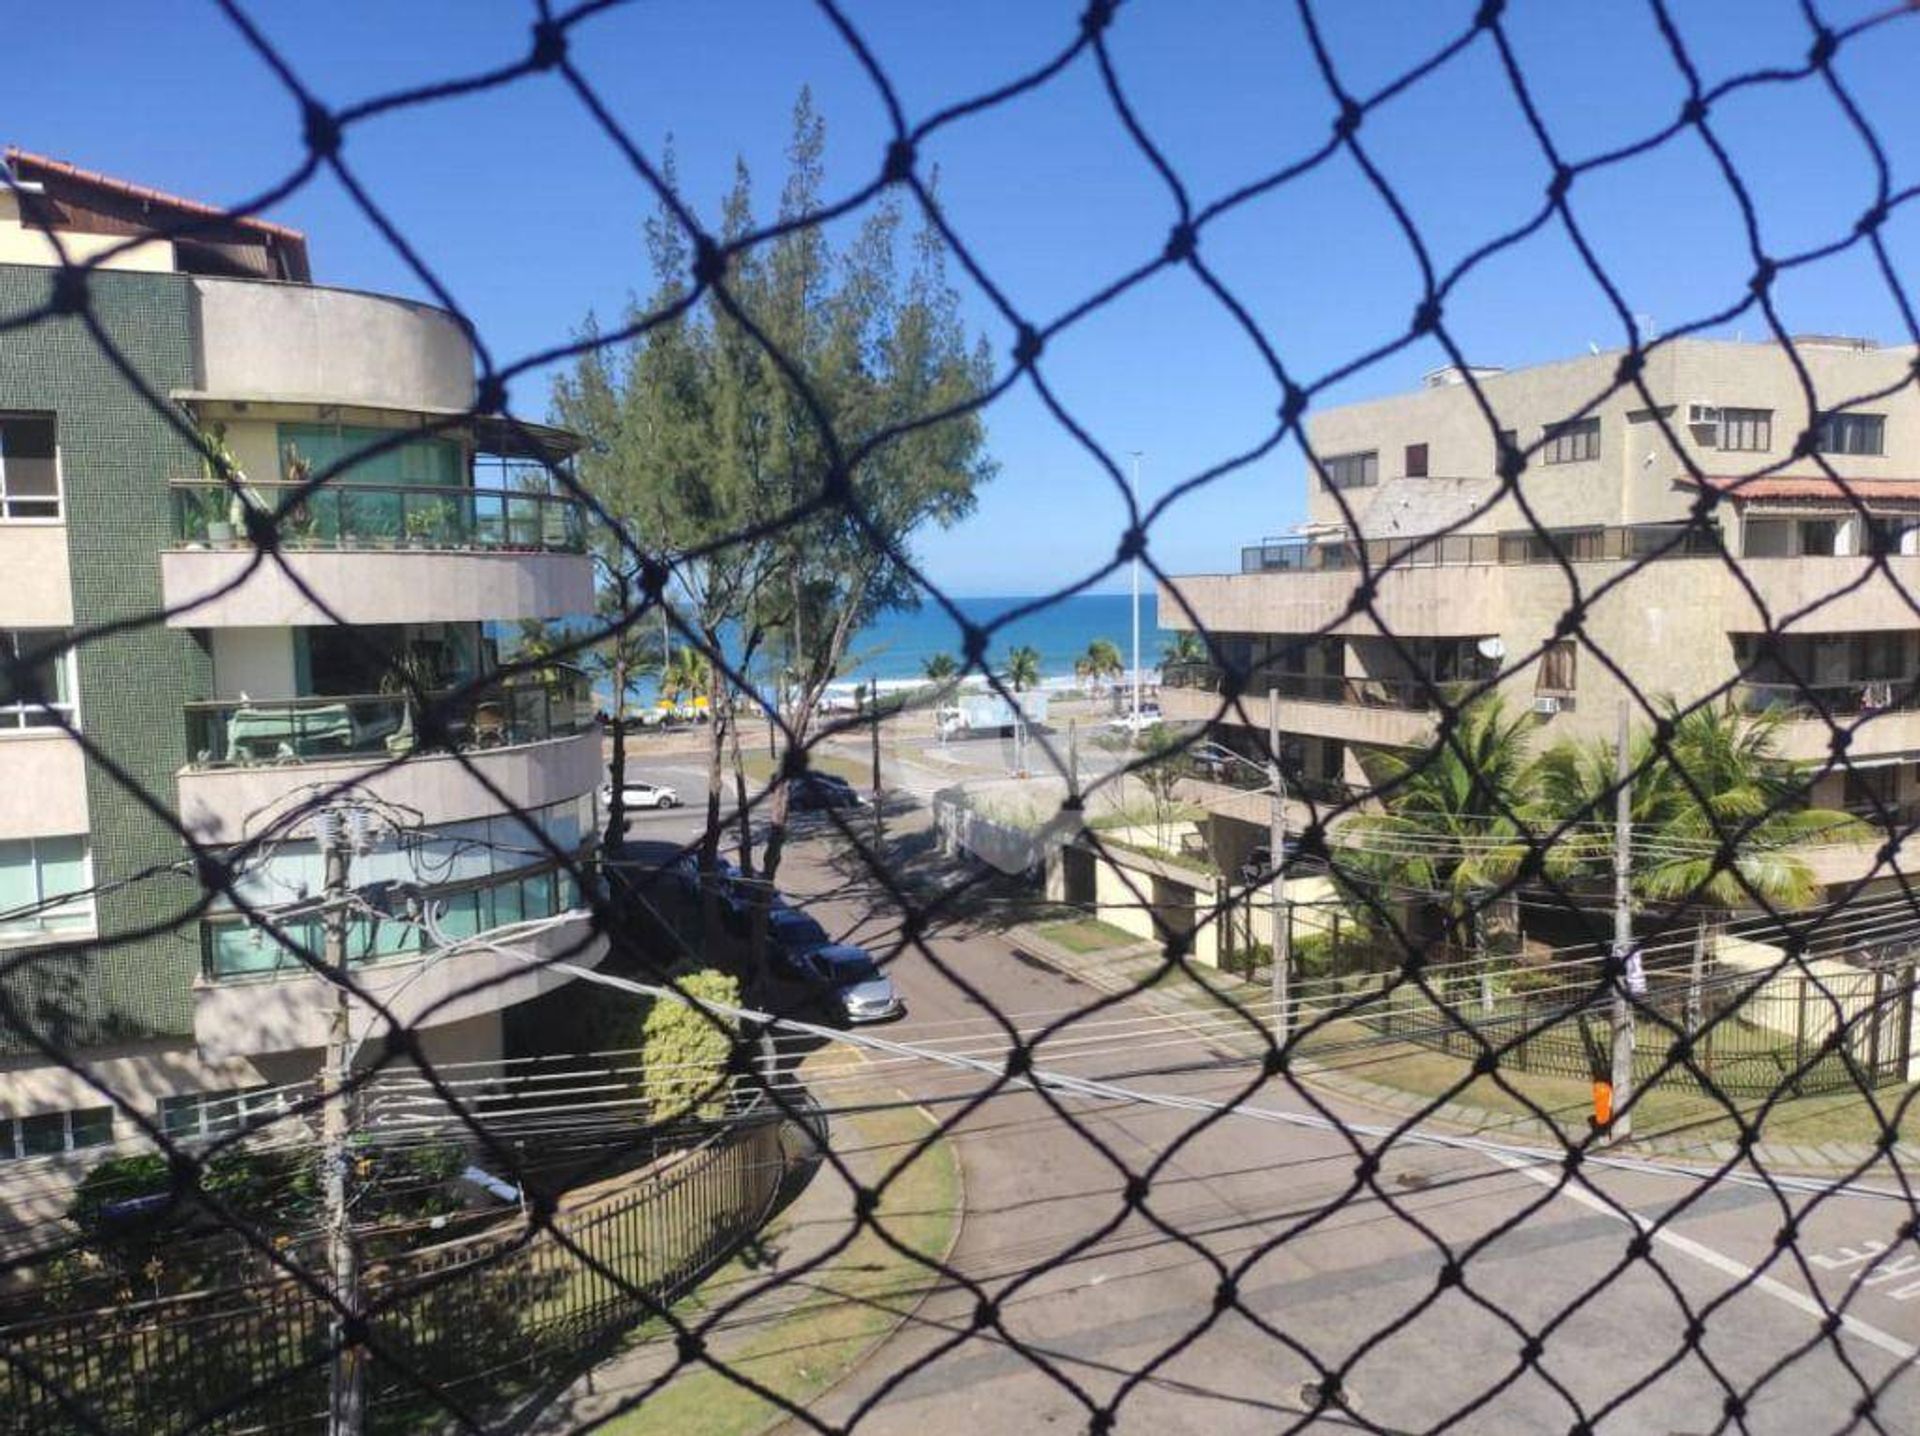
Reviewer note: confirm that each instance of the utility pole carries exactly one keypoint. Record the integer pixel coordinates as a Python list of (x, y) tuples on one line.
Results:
[(1133, 493), (1621, 1126), (346, 1392), (1282, 953)]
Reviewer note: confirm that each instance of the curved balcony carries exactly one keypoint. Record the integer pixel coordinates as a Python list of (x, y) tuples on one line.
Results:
[(249, 1001), (261, 340), (1373, 712), (536, 744), (374, 553)]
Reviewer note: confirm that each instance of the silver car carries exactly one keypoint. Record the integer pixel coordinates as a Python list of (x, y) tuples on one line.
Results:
[(849, 982)]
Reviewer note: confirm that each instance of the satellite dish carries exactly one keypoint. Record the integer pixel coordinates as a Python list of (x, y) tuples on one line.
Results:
[(1491, 648)]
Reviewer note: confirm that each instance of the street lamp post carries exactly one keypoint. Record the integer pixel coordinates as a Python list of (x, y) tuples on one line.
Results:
[(1276, 879), (1133, 493)]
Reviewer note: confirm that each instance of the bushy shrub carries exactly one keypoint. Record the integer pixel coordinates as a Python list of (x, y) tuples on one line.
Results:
[(686, 1049)]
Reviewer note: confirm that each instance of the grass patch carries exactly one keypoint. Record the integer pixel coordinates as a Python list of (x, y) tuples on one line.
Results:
[(852, 1301), (1087, 934)]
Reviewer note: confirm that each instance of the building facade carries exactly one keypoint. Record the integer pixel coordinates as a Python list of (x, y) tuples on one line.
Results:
[(163, 677), (1683, 524)]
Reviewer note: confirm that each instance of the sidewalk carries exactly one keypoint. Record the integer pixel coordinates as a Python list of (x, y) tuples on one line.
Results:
[(800, 1307), (1118, 969)]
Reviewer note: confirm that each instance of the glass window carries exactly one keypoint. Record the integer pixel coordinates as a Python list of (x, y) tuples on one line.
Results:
[(426, 462), (29, 467), (1746, 430), (92, 1127), (1352, 471), (44, 1135), (1852, 434), (1416, 461), (1572, 442), (35, 873), (36, 679)]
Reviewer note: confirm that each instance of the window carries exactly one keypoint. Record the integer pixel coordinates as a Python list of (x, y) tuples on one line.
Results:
[(35, 874), (1556, 667), (29, 467), (48, 1134), (1746, 430), (1572, 442), (1819, 536), (1852, 434), (215, 1114), (40, 693), (426, 461), (1416, 461), (1352, 471)]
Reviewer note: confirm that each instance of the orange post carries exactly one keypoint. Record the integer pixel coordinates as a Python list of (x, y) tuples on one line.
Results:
[(1602, 1103)]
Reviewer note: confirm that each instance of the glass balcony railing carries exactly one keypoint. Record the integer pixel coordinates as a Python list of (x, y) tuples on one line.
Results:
[(208, 514), (254, 732), (1574, 545), (236, 947), (1851, 699), (1409, 694)]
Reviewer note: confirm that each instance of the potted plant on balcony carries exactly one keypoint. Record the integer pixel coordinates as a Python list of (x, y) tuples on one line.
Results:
[(225, 512), (427, 525)]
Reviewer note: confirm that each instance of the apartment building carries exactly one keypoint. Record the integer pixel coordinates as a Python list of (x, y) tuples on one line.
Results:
[(1471, 588), (223, 692)]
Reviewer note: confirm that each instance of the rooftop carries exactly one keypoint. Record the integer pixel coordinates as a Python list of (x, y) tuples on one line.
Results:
[(208, 239)]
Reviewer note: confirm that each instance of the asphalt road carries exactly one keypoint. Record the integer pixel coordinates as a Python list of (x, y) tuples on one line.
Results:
[(1422, 1289)]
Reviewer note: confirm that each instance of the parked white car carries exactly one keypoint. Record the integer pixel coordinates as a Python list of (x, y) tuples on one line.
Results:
[(638, 794), (1148, 715)]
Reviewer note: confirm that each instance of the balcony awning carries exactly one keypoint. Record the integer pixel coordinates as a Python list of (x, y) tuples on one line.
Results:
[(500, 434), (1810, 488)]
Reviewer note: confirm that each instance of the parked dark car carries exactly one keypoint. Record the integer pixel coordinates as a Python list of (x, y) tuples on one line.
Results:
[(842, 979), (793, 933), (816, 792)]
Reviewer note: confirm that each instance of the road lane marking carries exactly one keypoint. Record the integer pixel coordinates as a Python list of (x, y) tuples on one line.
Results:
[(1755, 1279)]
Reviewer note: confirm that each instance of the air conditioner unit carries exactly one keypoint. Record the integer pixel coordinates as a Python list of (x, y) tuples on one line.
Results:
[(1698, 414), (1546, 704)]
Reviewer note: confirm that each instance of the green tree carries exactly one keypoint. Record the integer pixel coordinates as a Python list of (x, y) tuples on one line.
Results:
[(1454, 825), (688, 675), (1103, 660), (1023, 668), (1184, 647), (940, 669), (1719, 781), (685, 1049)]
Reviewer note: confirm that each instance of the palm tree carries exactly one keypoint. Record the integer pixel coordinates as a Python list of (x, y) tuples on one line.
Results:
[(686, 676), (1454, 826), (1023, 667), (940, 669), (1720, 780), (1102, 660), (1185, 646)]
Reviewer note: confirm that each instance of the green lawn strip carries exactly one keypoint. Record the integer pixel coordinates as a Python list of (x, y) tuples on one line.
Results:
[(1670, 1107), (853, 1301), (1087, 935)]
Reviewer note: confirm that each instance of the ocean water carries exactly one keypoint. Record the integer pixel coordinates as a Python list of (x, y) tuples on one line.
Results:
[(896, 648)]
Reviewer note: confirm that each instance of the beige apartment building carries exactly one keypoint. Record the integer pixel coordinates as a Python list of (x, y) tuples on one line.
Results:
[(1472, 581)]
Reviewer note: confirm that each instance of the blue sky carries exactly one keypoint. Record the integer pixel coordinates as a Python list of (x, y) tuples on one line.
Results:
[(531, 217)]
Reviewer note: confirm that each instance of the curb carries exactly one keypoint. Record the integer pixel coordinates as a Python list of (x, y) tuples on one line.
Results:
[(1825, 1159)]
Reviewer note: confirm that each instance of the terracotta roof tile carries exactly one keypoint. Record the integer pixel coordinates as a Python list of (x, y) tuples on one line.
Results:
[(1807, 486), (17, 156)]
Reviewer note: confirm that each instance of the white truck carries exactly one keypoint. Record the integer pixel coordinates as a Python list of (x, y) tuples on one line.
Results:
[(982, 713)]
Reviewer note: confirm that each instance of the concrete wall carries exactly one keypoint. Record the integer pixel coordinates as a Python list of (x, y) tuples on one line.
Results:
[(1632, 481), (43, 785), (216, 803), (255, 661), (205, 588), (261, 339), (36, 589)]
